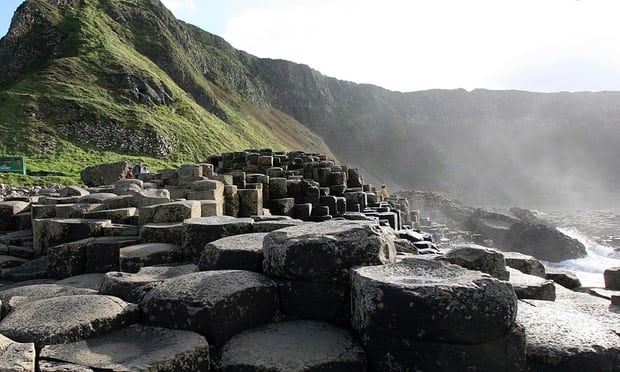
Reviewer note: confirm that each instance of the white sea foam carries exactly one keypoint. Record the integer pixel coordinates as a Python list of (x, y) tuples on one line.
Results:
[(589, 269)]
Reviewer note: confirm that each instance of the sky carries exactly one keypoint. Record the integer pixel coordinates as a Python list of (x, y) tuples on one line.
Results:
[(412, 45)]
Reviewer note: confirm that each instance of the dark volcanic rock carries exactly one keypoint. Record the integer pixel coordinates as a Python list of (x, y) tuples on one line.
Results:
[(423, 314), (524, 263), (237, 252), (612, 278), (8, 211), (199, 231), (67, 318), (136, 348), (475, 257), (530, 286), (326, 251), (492, 224), (543, 242), (16, 356), (432, 301), (104, 174), (392, 352), (323, 301), (133, 257), (560, 338), (133, 287), (292, 346), (216, 304), (563, 277), (14, 297)]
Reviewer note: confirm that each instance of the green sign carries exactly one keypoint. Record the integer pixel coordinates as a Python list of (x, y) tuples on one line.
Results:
[(12, 164)]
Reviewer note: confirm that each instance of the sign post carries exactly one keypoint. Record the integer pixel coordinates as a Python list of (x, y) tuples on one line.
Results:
[(12, 164)]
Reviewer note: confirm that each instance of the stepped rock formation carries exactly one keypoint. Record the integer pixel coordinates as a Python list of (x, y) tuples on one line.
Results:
[(326, 290)]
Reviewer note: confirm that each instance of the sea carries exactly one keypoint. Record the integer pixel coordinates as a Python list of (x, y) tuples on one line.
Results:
[(599, 231)]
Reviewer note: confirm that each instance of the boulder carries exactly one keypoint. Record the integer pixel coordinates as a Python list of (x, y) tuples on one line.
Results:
[(170, 212), (405, 246), (132, 287), (476, 257), (91, 255), (432, 301), (8, 211), (292, 346), (53, 231), (11, 298), (199, 231), (491, 223), (564, 278), (524, 263), (132, 184), (135, 348), (561, 338), (237, 252), (134, 257), (530, 286), (326, 251), (16, 356), (217, 304), (612, 278), (543, 242), (282, 206), (73, 191), (150, 197), (167, 232), (68, 318), (104, 174)]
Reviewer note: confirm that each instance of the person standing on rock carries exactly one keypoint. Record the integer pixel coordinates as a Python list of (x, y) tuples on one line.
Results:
[(383, 194)]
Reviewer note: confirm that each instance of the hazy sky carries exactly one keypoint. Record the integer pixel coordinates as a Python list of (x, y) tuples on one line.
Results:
[(407, 45)]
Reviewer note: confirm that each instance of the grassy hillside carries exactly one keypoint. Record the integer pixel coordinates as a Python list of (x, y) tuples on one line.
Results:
[(107, 80)]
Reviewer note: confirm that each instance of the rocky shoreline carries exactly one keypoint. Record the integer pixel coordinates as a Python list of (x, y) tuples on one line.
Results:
[(258, 260)]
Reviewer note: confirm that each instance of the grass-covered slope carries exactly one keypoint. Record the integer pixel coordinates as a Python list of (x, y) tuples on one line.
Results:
[(90, 81)]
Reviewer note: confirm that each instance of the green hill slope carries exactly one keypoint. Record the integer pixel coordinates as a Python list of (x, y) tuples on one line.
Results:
[(96, 80)]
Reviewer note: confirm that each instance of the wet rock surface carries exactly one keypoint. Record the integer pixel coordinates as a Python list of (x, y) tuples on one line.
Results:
[(136, 347), (292, 346), (560, 338)]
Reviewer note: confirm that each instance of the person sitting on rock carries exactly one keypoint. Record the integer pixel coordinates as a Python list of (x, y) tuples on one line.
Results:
[(137, 169), (129, 174), (383, 194)]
